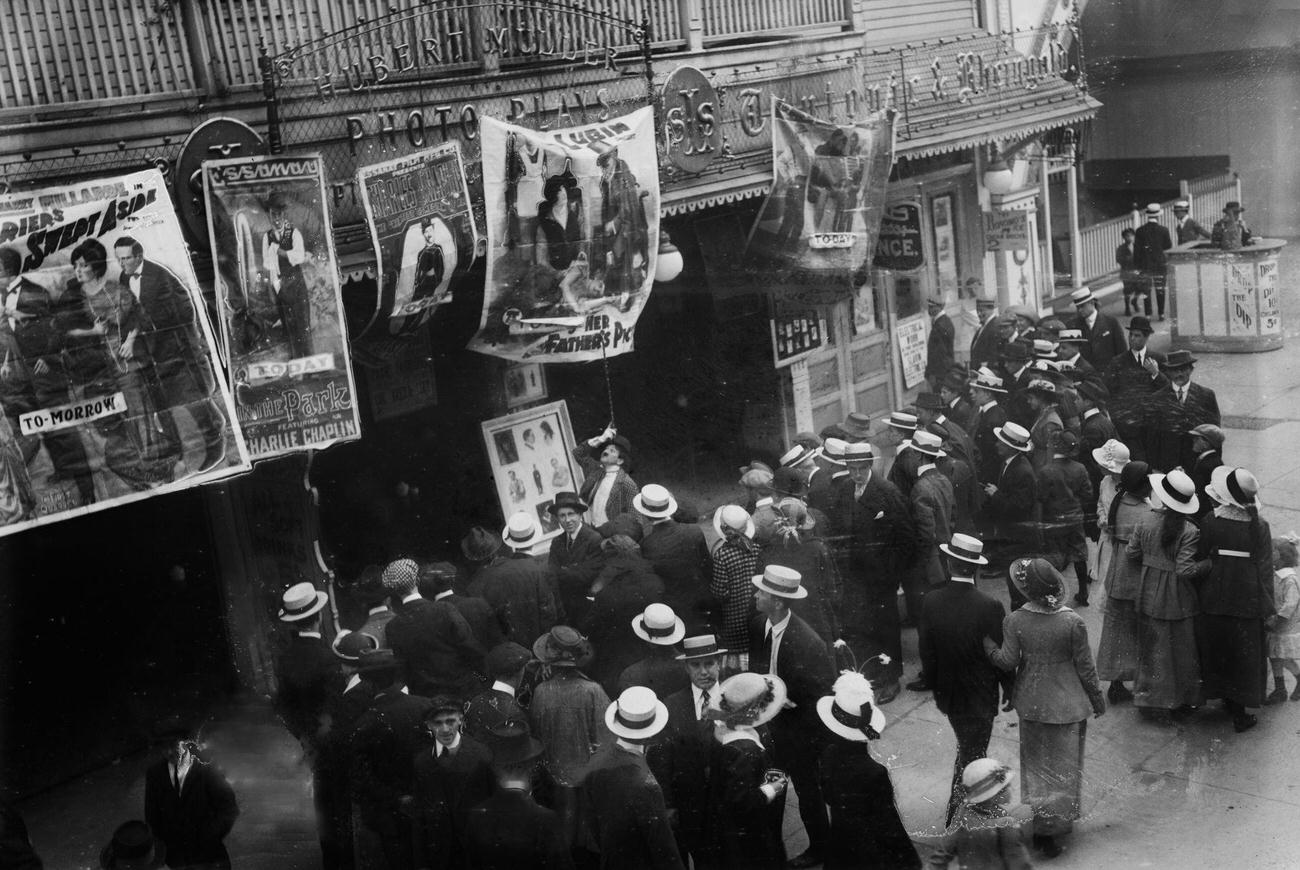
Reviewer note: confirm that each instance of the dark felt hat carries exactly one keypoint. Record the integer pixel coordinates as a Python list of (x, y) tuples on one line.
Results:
[(133, 847), (512, 744), (1094, 391), (506, 658), (480, 544), (1140, 324), (569, 500), (929, 401), (1177, 359), (1015, 351)]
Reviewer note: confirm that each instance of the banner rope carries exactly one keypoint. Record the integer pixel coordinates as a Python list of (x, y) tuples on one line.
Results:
[(609, 385)]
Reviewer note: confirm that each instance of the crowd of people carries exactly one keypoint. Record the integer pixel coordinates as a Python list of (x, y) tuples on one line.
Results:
[(646, 693)]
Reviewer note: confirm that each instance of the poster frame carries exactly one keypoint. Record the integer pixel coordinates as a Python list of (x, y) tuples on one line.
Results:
[(557, 413)]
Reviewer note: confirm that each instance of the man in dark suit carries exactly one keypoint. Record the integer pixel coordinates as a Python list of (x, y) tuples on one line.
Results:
[(939, 354), (882, 542), (451, 776), (575, 558), (1188, 230), (1150, 242), (987, 416), (1095, 430), (498, 703), (1132, 378), (386, 739), (781, 643), (682, 753), (436, 583), (956, 399), (1016, 373), (677, 551), (626, 805), (932, 503), (1013, 501), (432, 640), (984, 346), (931, 409), (188, 804), (521, 595), (956, 619), (1173, 411), (171, 335), (1207, 442), (350, 698), (1104, 337), (510, 830)]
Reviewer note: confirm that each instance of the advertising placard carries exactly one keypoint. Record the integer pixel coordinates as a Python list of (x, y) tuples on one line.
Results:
[(109, 375), (282, 310), (531, 454), (911, 350), (899, 247)]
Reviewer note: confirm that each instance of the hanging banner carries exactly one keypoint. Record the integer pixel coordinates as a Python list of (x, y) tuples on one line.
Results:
[(418, 211), (109, 376), (827, 192), (282, 311), (573, 233)]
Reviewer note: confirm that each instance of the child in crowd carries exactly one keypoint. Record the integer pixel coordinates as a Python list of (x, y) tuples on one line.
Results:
[(1284, 627), (985, 835)]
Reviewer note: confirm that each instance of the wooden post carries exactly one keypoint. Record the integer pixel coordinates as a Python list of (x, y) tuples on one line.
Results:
[(1049, 266), (691, 15), (1076, 241), (196, 37)]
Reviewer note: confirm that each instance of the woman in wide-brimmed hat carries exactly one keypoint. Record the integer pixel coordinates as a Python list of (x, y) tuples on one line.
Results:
[(1046, 644), (1164, 544), (744, 827), (1117, 653), (866, 830), (1237, 595)]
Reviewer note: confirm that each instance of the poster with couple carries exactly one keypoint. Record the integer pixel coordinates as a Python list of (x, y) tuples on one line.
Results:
[(418, 211), (277, 285), (828, 190), (109, 377), (531, 454), (572, 238)]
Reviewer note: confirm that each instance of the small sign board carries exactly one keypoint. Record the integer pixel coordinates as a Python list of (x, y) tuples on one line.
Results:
[(899, 246), (795, 334), (1006, 231)]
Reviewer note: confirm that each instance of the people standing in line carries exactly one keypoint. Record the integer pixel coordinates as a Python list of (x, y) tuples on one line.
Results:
[(783, 644), (188, 802), (1012, 503), (436, 582), (1095, 431), (866, 831), (628, 816), (986, 390), (1118, 651), (1167, 682), (498, 703), (932, 503), (1187, 229), (954, 622), (1236, 597), (606, 486), (985, 834), (453, 774), (1046, 644), (623, 589), (1284, 626), (1150, 242), (1130, 276), (1041, 394), (955, 392)]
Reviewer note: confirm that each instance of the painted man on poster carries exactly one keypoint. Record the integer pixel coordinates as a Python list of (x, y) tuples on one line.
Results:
[(419, 215), (570, 267), (108, 379), (278, 284)]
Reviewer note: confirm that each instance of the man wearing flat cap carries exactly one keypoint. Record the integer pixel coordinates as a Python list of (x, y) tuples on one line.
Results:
[(1149, 246), (1174, 410)]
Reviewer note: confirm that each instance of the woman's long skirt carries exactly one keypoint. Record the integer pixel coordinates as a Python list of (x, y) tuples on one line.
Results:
[(1051, 778), (1233, 658), (1168, 674), (1117, 654)]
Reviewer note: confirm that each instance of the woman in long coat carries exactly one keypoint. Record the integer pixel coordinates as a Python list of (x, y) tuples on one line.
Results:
[(1117, 654), (745, 807), (866, 830), (1046, 644), (1163, 544), (1236, 597)]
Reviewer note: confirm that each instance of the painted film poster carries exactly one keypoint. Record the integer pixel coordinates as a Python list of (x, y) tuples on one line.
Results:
[(573, 233), (109, 377), (828, 189), (419, 215), (282, 310)]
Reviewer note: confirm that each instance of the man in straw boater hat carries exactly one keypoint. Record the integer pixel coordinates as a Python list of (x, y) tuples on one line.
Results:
[(1150, 242), (510, 829), (1174, 410), (864, 815), (1187, 229), (1102, 336), (1132, 378), (954, 622), (437, 648), (626, 806), (1013, 500), (933, 502), (678, 551), (956, 396), (900, 427), (517, 587), (781, 643), (986, 391), (683, 750), (659, 629), (985, 834), (575, 557), (882, 543)]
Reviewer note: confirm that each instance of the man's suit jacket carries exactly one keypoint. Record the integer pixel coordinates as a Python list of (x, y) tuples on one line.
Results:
[(510, 831), (658, 670), (306, 672), (932, 509), (884, 534), (679, 758), (1013, 507), (1189, 231), (574, 565), (802, 661), (483, 622), (955, 619), (437, 649), (193, 823), (445, 789), (680, 557), (488, 709), (1149, 246), (959, 410), (983, 423), (385, 740), (938, 347), (839, 510), (984, 346), (628, 815), (521, 596), (1106, 339), (1166, 443), (1096, 429), (169, 329)]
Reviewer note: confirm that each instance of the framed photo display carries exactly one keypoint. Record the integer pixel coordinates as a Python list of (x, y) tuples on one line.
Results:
[(525, 383), (531, 455)]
